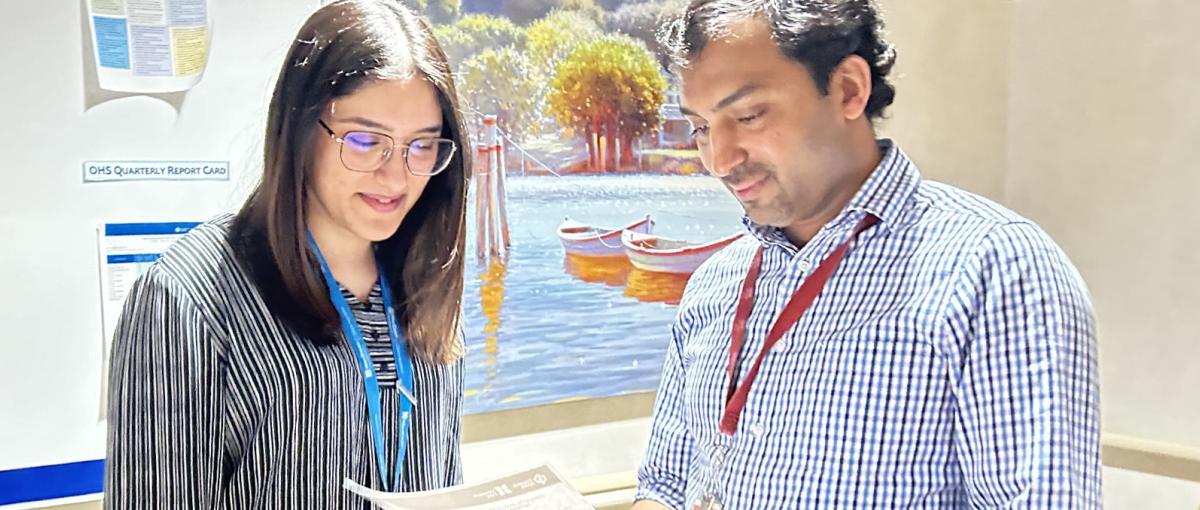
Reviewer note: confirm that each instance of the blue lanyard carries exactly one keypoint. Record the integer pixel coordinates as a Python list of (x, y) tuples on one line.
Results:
[(404, 369)]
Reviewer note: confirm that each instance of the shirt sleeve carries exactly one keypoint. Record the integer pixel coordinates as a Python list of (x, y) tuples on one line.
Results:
[(662, 476), (1026, 389), (165, 401)]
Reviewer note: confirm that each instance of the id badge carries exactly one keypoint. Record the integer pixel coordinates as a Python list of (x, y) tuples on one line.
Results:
[(709, 502), (711, 498)]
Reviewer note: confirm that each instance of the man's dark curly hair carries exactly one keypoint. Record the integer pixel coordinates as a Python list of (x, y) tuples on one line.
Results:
[(819, 34)]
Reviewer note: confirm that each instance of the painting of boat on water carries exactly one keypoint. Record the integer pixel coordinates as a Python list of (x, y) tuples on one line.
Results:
[(546, 325), (589, 209)]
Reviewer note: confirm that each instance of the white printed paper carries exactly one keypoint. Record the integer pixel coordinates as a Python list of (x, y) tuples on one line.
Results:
[(149, 46), (540, 488)]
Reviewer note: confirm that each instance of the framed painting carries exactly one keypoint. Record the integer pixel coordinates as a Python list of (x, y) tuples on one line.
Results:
[(589, 209)]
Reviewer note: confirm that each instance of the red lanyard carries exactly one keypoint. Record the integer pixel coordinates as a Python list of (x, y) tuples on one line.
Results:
[(735, 396)]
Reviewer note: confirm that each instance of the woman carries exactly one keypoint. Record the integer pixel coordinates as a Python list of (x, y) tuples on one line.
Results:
[(313, 336)]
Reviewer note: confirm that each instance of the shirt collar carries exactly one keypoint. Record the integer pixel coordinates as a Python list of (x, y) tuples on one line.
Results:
[(885, 194)]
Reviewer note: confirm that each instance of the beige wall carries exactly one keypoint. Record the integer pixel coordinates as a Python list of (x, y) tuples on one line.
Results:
[(951, 80), (1079, 114), (1103, 119)]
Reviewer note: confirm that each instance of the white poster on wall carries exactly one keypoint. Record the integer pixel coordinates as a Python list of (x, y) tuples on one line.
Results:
[(126, 251), (149, 46)]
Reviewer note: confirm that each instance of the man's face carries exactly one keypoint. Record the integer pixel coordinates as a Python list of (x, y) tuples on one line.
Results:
[(764, 128)]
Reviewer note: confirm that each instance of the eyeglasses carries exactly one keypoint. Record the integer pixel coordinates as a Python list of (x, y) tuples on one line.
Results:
[(365, 151)]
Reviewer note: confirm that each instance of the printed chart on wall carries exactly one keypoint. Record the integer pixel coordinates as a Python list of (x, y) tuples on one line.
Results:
[(149, 46), (126, 251)]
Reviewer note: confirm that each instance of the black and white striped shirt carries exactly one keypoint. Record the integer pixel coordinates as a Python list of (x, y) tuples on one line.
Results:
[(214, 403)]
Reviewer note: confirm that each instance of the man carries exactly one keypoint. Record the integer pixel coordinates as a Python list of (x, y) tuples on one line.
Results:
[(880, 341)]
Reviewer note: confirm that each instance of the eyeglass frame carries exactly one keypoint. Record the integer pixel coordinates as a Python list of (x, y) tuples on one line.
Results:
[(389, 152)]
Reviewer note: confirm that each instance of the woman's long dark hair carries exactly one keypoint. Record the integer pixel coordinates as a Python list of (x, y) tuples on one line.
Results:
[(341, 47)]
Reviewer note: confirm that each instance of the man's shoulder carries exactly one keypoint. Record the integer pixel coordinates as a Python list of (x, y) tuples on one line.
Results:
[(974, 225), (945, 201), (956, 218)]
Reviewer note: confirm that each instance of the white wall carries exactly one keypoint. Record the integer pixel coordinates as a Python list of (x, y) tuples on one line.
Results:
[(50, 340)]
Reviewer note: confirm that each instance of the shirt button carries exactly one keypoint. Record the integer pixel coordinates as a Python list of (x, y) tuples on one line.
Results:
[(757, 430), (780, 346), (804, 265)]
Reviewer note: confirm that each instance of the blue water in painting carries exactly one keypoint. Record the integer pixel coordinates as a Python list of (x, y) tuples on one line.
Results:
[(540, 330)]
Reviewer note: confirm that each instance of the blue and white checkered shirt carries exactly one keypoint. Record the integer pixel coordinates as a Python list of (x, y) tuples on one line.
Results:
[(948, 363)]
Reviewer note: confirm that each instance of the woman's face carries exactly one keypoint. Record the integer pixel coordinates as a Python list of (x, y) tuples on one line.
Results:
[(354, 189)]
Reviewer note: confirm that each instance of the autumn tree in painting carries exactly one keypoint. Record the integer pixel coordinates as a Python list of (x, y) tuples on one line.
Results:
[(609, 91)]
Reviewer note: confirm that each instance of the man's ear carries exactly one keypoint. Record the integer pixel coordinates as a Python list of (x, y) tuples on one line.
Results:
[(850, 86)]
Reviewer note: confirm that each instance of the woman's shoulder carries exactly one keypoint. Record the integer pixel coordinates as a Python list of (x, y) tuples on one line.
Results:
[(205, 246), (203, 261)]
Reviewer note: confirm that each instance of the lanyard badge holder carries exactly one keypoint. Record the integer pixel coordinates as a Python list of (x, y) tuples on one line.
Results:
[(737, 394), (404, 369), (718, 455)]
